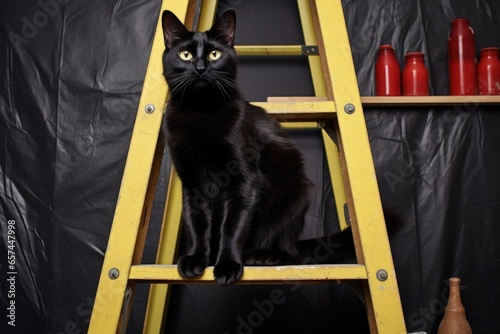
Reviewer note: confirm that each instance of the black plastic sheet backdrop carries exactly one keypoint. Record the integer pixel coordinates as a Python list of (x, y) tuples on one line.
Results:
[(71, 76)]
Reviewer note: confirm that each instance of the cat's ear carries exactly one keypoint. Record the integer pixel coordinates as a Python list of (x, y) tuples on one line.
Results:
[(223, 29), (173, 29)]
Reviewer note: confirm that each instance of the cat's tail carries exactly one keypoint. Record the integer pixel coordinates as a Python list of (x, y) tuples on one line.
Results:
[(339, 248), (332, 249)]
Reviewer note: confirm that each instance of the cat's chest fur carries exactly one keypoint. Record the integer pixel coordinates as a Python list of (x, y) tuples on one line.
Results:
[(203, 141)]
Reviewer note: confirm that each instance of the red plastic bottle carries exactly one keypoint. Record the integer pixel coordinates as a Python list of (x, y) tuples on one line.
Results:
[(488, 72), (461, 58), (387, 72), (415, 75)]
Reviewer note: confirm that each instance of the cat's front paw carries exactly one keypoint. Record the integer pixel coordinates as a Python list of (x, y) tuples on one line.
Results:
[(190, 266), (227, 272)]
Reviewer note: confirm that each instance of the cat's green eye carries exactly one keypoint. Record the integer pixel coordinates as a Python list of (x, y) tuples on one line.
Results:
[(214, 55), (185, 55)]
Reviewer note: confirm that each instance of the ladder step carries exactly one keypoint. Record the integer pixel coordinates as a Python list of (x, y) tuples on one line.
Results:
[(299, 110), (167, 273), (276, 50)]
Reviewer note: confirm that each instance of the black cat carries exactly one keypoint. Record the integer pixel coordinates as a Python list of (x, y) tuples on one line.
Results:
[(245, 192)]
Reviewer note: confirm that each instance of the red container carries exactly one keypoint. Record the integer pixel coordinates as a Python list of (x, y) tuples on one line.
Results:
[(415, 75), (387, 72), (462, 58), (488, 72)]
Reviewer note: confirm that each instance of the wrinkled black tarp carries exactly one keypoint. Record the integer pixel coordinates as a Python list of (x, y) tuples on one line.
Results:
[(71, 75)]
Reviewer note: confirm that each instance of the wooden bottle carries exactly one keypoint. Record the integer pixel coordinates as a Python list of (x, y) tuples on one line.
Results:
[(454, 320)]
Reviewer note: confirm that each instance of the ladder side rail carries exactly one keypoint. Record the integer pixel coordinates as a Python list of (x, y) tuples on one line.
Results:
[(132, 199), (364, 202), (331, 149)]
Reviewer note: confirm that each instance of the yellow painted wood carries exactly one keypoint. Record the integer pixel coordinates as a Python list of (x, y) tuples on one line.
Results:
[(129, 209), (334, 167), (268, 50), (299, 111), (364, 201), (297, 99), (310, 39), (299, 125), (255, 275), (167, 248), (331, 149), (207, 14)]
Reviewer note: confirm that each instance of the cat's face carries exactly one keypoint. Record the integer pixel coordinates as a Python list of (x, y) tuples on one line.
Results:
[(200, 65)]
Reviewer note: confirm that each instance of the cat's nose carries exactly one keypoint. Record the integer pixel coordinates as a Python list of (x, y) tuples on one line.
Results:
[(199, 66), (200, 69)]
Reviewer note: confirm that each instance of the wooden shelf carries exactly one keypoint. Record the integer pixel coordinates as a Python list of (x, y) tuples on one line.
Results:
[(406, 101), (395, 101)]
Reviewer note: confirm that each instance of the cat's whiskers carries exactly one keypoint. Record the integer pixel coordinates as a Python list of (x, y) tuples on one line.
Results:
[(179, 84), (222, 89), (186, 84), (221, 81), (225, 84)]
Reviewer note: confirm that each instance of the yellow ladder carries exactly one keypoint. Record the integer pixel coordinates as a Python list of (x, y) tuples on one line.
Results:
[(341, 110)]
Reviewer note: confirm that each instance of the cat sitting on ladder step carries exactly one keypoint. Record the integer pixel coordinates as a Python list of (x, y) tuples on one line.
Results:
[(244, 189)]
